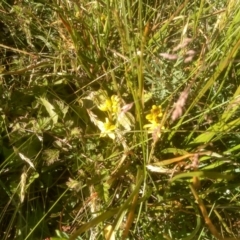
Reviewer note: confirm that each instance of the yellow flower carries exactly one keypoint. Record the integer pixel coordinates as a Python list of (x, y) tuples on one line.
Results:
[(111, 105), (106, 106), (107, 129), (115, 103), (154, 128), (154, 117), (155, 114)]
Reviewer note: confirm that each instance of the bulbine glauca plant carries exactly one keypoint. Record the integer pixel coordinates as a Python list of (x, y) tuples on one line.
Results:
[(118, 120)]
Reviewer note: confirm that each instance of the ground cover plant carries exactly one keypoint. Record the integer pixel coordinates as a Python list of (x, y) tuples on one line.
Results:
[(119, 119)]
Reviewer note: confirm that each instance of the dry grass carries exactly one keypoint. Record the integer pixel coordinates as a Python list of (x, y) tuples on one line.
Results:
[(119, 120)]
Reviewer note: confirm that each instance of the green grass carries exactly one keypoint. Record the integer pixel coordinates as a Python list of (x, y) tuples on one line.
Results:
[(120, 120)]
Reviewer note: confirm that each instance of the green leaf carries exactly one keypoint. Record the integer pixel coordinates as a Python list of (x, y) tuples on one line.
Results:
[(61, 107), (50, 155), (50, 109), (203, 174), (103, 191), (214, 165)]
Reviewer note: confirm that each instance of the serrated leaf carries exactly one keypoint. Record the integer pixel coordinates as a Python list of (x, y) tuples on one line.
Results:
[(76, 132), (73, 184), (102, 190), (126, 120), (106, 191), (61, 107), (50, 155), (147, 96), (93, 117), (44, 123), (50, 109)]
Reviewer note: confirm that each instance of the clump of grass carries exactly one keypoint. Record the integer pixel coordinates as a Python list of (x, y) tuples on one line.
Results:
[(119, 119)]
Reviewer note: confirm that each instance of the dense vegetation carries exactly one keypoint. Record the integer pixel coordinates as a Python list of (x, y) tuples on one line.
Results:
[(120, 119)]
